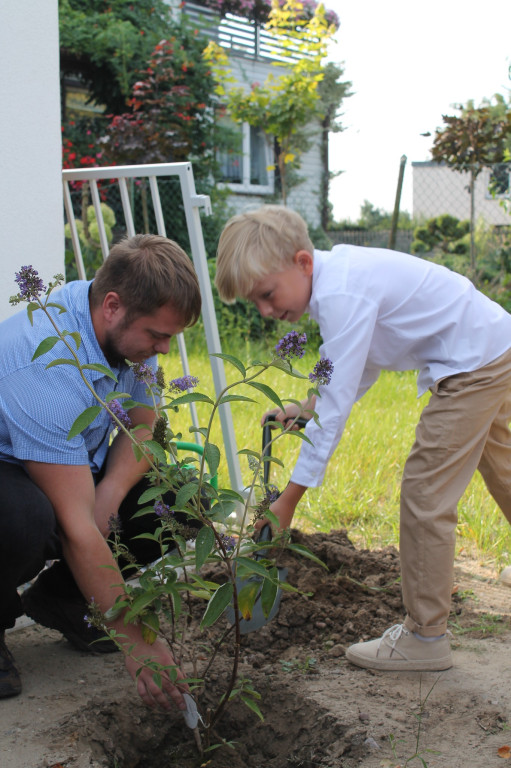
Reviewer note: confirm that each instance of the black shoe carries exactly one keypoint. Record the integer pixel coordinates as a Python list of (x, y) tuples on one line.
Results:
[(10, 681), (66, 616)]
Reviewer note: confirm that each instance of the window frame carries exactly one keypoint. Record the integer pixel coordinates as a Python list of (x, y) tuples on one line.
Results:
[(245, 186)]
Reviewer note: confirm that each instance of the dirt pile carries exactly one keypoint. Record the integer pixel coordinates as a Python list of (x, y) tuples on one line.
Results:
[(81, 711)]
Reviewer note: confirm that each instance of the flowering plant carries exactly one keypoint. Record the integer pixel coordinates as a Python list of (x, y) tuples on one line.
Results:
[(259, 10), (160, 601)]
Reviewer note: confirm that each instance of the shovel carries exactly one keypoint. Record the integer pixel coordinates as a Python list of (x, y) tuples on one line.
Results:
[(255, 583)]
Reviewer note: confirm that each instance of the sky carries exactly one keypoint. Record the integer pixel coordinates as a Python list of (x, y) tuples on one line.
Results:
[(409, 63)]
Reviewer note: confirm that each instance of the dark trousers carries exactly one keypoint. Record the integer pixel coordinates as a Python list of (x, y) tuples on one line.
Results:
[(29, 538)]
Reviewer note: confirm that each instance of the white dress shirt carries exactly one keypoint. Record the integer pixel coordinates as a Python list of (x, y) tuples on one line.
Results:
[(383, 310)]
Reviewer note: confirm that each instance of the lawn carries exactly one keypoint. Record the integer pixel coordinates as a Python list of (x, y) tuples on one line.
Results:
[(361, 487)]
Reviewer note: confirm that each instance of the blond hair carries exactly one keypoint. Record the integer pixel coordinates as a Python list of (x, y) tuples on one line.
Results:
[(255, 244)]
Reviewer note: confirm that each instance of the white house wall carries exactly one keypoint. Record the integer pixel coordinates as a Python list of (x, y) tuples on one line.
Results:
[(438, 189), (305, 198)]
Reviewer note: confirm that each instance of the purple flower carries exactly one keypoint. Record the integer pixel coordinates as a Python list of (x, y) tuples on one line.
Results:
[(87, 621), (144, 373), (229, 542), (291, 345), (121, 414), (272, 493), (30, 284), (161, 509), (322, 372), (183, 383)]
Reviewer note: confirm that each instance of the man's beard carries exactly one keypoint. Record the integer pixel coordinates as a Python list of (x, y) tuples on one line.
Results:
[(111, 349)]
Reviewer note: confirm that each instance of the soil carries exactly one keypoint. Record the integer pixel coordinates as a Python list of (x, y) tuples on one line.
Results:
[(81, 710)]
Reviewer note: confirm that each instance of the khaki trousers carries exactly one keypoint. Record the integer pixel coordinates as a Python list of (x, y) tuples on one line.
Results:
[(464, 427)]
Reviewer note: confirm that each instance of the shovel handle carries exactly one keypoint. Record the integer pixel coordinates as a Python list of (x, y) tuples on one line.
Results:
[(266, 451)]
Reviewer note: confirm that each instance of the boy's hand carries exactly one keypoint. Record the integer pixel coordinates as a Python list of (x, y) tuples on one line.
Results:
[(291, 412), (284, 507)]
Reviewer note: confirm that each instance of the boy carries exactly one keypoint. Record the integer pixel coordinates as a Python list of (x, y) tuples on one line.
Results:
[(383, 310)]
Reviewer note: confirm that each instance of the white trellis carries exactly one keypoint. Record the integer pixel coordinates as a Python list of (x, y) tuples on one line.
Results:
[(192, 202)]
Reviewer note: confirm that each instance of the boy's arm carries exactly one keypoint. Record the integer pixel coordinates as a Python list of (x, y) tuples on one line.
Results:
[(70, 490), (284, 507)]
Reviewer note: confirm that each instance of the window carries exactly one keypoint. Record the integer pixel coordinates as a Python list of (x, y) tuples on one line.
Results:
[(246, 167)]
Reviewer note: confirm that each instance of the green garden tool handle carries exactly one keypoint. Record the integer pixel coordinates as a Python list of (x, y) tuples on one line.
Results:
[(196, 448)]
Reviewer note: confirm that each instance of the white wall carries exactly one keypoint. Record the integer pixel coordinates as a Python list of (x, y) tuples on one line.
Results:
[(438, 189), (31, 217)]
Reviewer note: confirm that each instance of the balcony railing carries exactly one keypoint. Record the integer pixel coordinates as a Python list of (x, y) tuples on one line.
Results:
[(240, 36)]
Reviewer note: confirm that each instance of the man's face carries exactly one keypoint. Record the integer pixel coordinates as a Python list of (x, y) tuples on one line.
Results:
[(285, 295), (141, 338)]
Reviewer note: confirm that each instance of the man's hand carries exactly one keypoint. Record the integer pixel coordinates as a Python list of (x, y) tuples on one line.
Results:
[(150, 692)]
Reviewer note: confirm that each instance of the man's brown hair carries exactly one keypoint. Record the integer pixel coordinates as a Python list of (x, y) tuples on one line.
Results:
[(148, 272)]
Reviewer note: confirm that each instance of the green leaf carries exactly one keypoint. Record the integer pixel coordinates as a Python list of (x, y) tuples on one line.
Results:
[(249, 566), (30, 311), (212, 454), (233, 398), (101, 369), (185, 493), (284, 365), (269, 591), (217, 605), (248, 452), (150, 627), (116, 396), (63, 361), (251, 704), (157, 451), (83, 420), (192, 397), (268, 391), (301, 550), (204, 543), (233, 360), (57, 306), (154, 492), (75, 336), (45, 346), (247, 597)]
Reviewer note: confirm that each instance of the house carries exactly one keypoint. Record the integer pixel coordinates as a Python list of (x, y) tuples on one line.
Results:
[(249, 174), (439, 189)]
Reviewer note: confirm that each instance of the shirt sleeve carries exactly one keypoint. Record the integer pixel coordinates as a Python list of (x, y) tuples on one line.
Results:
[(347, 325), (38, 420)]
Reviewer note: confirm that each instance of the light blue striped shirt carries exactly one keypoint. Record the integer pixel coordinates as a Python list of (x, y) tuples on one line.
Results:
[(37, 405)]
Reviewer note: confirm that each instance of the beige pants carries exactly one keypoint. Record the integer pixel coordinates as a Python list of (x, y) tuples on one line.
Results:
[(464, 427)]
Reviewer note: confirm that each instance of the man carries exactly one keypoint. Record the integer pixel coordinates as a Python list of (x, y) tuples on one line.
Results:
[(58, 494)]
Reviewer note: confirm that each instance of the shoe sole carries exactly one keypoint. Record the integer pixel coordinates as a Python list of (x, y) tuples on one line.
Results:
[(391, 665)]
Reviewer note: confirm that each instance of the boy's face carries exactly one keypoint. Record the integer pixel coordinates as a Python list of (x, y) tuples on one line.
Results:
[(285, 295)]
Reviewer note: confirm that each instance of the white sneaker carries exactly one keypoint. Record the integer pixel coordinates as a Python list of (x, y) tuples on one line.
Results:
[(398, 648)]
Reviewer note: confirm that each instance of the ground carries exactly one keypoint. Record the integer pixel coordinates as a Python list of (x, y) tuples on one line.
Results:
[(81, 711)]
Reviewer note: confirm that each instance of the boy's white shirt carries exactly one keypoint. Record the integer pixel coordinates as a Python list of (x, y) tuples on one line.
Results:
[(383, 310)]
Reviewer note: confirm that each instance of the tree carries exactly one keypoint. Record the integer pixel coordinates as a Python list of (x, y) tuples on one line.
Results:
[(103, 44), (283, 106), (476, 139), (171, 115)]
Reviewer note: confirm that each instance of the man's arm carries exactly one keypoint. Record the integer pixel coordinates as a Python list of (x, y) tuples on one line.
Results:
[(123, 471), (71, 492)]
